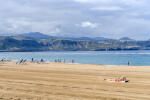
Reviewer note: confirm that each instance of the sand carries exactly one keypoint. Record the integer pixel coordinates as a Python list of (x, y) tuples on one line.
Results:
[(55, 81)]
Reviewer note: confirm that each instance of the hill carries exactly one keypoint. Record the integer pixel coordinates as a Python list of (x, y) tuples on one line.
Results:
[(35, 41), (35, 35)]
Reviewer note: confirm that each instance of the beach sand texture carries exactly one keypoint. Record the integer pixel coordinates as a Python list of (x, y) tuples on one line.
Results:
[(56, 81)]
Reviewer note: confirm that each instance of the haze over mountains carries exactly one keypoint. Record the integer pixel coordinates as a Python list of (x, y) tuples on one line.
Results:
[(36, 41)]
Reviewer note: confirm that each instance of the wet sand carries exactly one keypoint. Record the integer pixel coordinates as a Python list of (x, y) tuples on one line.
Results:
[(55, 81)]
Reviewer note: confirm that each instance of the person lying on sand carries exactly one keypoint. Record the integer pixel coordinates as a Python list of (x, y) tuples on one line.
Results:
[(117, 80)]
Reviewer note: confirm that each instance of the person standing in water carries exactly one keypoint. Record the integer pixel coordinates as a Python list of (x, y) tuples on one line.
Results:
[(73, 61), (42, 60), (32, 60), (64, 60), (128, 63)]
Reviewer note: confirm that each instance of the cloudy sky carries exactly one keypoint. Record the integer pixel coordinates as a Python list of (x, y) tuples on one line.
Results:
[(92, 18)]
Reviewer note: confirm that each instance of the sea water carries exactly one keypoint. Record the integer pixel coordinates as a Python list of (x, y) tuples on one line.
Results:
[(137, 58)]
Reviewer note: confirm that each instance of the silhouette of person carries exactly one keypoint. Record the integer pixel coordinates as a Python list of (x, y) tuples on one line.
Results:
[(128, 63)]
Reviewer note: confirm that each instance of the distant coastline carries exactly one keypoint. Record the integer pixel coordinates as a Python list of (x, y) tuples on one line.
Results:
[(69, 50), (34, 42)]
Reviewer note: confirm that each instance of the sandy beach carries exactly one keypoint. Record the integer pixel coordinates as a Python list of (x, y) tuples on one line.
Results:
[(56, 81)]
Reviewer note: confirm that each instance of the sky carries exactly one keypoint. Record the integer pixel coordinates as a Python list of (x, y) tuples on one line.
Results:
[(77, 18)]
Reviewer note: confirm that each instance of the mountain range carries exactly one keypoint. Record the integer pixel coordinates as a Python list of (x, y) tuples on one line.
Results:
[(36, 41)]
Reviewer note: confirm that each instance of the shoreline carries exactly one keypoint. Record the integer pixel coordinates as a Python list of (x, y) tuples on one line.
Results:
[(69, 63), (136, 58)]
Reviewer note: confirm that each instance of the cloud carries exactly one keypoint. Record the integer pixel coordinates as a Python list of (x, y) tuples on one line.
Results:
[(110, 18), (93, 1), (105, 8), (88, 24)]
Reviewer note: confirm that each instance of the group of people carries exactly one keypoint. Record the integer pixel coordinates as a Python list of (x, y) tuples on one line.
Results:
[(4, 60), (63, 61), (59, 60), (23, 61), (37, 61)]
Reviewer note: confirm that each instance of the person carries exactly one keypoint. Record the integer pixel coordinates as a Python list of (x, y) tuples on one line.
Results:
[(42, 60), (2, 60), (32, 60), (128, 63), (72, 61), (24, 61), (64, 61), (21, 61)]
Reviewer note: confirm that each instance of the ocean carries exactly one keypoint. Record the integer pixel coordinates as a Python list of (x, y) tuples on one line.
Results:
[(136, 58)]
